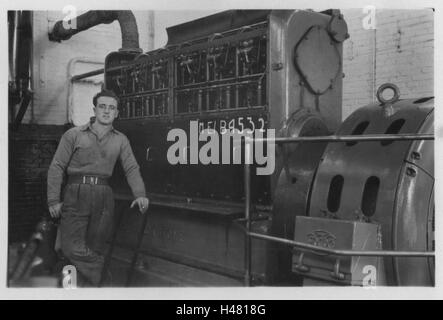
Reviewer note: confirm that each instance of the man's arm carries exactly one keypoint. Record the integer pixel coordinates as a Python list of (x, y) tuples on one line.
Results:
[(132, 172), (58, 167)]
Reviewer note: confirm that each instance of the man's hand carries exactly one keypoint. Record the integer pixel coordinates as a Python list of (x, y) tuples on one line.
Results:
[(55, 210), (142, 202)]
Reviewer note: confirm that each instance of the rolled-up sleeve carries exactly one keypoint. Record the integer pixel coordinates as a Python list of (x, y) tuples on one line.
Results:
[(58, 166), (132, 169)]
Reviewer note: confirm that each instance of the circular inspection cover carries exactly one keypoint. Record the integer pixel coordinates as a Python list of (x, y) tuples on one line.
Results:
[(317, 59)]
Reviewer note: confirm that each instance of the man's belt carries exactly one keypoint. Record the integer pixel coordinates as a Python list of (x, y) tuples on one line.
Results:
[(87, 180)]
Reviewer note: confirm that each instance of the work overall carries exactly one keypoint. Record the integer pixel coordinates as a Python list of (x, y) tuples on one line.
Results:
[(86, 223)]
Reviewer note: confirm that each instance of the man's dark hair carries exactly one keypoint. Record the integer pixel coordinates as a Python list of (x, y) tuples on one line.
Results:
[(105, 93)]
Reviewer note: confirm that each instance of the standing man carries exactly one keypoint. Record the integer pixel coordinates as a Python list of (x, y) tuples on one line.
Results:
[(87, 154)]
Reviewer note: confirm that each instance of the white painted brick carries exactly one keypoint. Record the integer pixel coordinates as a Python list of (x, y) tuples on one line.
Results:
[(410, 66)]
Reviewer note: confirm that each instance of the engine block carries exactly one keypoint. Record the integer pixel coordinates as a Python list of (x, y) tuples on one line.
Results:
[(243, 69)]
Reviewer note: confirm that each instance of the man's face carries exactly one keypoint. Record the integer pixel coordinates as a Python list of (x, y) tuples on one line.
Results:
[(106, 110)]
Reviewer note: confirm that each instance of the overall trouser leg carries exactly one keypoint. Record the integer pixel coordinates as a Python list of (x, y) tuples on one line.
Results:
[(85, 226)]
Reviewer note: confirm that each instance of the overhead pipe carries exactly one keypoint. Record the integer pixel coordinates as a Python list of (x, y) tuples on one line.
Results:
[(24, 49), (20, 63), (126, 19), (13, 22)]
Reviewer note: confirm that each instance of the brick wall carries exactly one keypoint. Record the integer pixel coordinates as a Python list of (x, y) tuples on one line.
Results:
[(30, 152), (400, 50)]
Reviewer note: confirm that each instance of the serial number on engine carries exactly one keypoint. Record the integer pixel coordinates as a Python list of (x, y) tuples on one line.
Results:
[(239, 123)]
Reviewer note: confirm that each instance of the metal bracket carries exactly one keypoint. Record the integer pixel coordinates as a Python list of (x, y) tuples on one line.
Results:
[(300, 266), (336, 274)]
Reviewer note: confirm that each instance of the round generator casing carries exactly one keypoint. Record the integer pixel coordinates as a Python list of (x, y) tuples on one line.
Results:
[(389, 183)]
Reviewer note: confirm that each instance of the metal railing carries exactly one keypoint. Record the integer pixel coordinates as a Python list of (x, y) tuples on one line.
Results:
[(305, 247)]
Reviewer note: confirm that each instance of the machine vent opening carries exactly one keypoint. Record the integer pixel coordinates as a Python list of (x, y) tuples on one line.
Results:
[(334, 194), (358, 130), (370, 193), (394, 128)]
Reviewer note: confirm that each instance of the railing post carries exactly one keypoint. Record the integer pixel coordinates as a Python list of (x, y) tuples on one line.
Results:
[(247, 178)]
